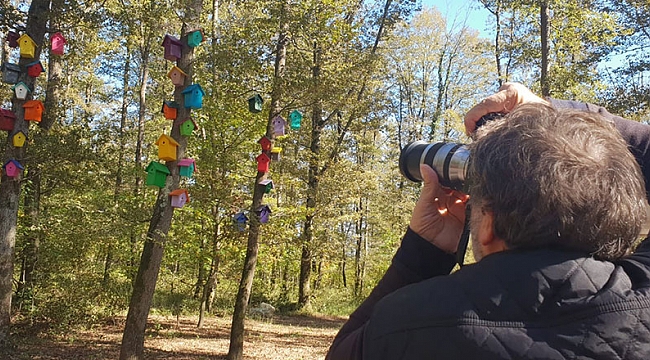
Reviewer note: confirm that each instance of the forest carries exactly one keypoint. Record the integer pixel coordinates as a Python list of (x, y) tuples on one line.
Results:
[(194, 159)]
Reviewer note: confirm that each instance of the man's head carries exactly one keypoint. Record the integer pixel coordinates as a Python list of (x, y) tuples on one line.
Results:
[(556, 178)]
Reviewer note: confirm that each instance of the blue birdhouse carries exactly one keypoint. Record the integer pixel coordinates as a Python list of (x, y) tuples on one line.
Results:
[(255, 103), (295, 119), (195, 38), (194, 96), (240, 220)]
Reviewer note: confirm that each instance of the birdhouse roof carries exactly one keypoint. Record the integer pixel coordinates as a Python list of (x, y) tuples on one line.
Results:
[(168, 138), (58, 36), (264, 140), (169, 39), (171, 104), (179, 192), (36, 64), (187, 162), (200, 31), (266, 182), (7, 114), (190, 120), (264, 208), (241, 217), (10, 67), (176, 68), (20, 133), (33, 104), (279, 119), (21, 84), (15, 162), (295, 113), (276, 150), (156, 166), (193, 87), (256, 97), (25, 36), (263, 158)]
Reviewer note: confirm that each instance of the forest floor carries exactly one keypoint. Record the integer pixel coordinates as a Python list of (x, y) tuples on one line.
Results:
[(280, 337)]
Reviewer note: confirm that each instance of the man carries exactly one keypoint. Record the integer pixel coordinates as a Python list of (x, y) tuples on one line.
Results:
[(557, 201)]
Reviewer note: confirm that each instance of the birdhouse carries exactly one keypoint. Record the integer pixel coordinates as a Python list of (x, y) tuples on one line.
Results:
[(194, 96), (173, 48), (187, 167), (12, 168), (156, 174), (27, 46), (166, 148), (195, 38), (265, 143), (177, 75), (33, 110), (58, 43), (255, 103), (19, 139), (295, 118), (267, 184), (278, 124), (34, 69), (264, 212), (170, 109), (187, 127), (7, 120), (21, 90), (240, 219), (275, 153), (10, 73), (263, 163), (180, 197), (12, 39)]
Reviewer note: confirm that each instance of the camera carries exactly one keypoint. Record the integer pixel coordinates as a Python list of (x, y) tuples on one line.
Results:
[(449, 160)]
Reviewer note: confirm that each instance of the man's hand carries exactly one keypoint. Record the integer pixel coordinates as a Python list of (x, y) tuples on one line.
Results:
[(510, 96), (439, 215)]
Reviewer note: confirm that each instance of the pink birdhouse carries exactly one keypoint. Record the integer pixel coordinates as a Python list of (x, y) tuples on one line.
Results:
[(180, 197), (12, 168), (177, 75), (173, 48), (263, 161), (279, 124), (265, 143), (34, 69), (58, 43), (12, 39)]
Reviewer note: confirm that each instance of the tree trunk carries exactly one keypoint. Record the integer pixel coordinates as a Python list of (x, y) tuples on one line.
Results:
[(30, 251), (145, 282), (236, 349), (545, 32), (10, 188)]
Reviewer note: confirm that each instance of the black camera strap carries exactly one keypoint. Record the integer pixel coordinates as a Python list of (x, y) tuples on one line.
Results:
[(464, 239)]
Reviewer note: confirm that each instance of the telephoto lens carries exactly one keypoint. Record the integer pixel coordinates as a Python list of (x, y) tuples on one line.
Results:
[(449, 160)]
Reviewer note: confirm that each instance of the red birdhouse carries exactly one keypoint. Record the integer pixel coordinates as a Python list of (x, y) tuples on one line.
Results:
[(33, 110), (265, 143), (7, 120), (34, 69), (12, 39), (173, 48), (58, 43), (263, 161)]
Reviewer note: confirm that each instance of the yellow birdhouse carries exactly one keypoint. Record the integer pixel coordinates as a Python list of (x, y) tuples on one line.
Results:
[(27, 46), (166, 148), (19, 139)]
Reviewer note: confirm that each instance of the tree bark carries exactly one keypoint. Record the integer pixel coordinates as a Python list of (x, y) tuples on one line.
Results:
[(145, 282), (545, 32), (236, 349), (10, 188)]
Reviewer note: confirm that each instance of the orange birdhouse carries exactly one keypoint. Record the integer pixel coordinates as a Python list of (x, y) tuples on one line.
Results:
[(170, 109), (33, 110), (166, 148)]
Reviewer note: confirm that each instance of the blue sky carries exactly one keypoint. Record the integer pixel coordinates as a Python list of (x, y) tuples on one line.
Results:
[(476, 15)]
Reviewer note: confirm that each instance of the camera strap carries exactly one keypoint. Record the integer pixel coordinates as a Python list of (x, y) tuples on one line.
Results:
[(464, 239)]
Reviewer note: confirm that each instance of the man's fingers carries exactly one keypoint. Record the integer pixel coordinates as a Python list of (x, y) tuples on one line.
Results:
[(500, 102)]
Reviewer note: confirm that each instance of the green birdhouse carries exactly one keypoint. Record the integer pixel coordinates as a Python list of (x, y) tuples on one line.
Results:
[(267, 184), (295, 118), (255, 103), (187, 127), (187, 167), (156, 174), (195, 38)]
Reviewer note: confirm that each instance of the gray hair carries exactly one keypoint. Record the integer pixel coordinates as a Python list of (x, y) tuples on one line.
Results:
[(558, 178)]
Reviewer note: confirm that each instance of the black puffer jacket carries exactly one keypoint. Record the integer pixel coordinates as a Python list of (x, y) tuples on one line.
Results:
[(541, 304)]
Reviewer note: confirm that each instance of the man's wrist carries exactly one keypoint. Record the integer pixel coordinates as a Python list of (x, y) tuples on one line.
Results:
[(422, 257)]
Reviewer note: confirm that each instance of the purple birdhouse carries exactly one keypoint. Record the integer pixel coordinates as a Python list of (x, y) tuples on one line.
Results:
[(12, 168), (279, 124), (173, 48), (264, 212), (12, 39), (180, 197)]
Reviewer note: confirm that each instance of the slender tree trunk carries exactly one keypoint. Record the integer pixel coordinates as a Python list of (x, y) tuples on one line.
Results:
[(145, 281), (33, 239), (545, 31), (10, 188), (236, 349)]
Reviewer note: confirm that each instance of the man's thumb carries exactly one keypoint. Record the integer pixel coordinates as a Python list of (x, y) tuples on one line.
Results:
[(429, 177)]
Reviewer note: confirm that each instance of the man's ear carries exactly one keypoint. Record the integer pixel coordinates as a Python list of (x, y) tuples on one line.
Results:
[(488, 240)]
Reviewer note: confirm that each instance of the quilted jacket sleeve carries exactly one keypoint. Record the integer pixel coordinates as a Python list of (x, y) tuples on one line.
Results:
[(415, 260)]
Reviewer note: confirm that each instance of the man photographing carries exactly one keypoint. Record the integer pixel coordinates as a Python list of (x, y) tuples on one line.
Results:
[(557, 203)]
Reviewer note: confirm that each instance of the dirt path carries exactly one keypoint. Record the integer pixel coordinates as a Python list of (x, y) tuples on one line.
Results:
[(282, 337)]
